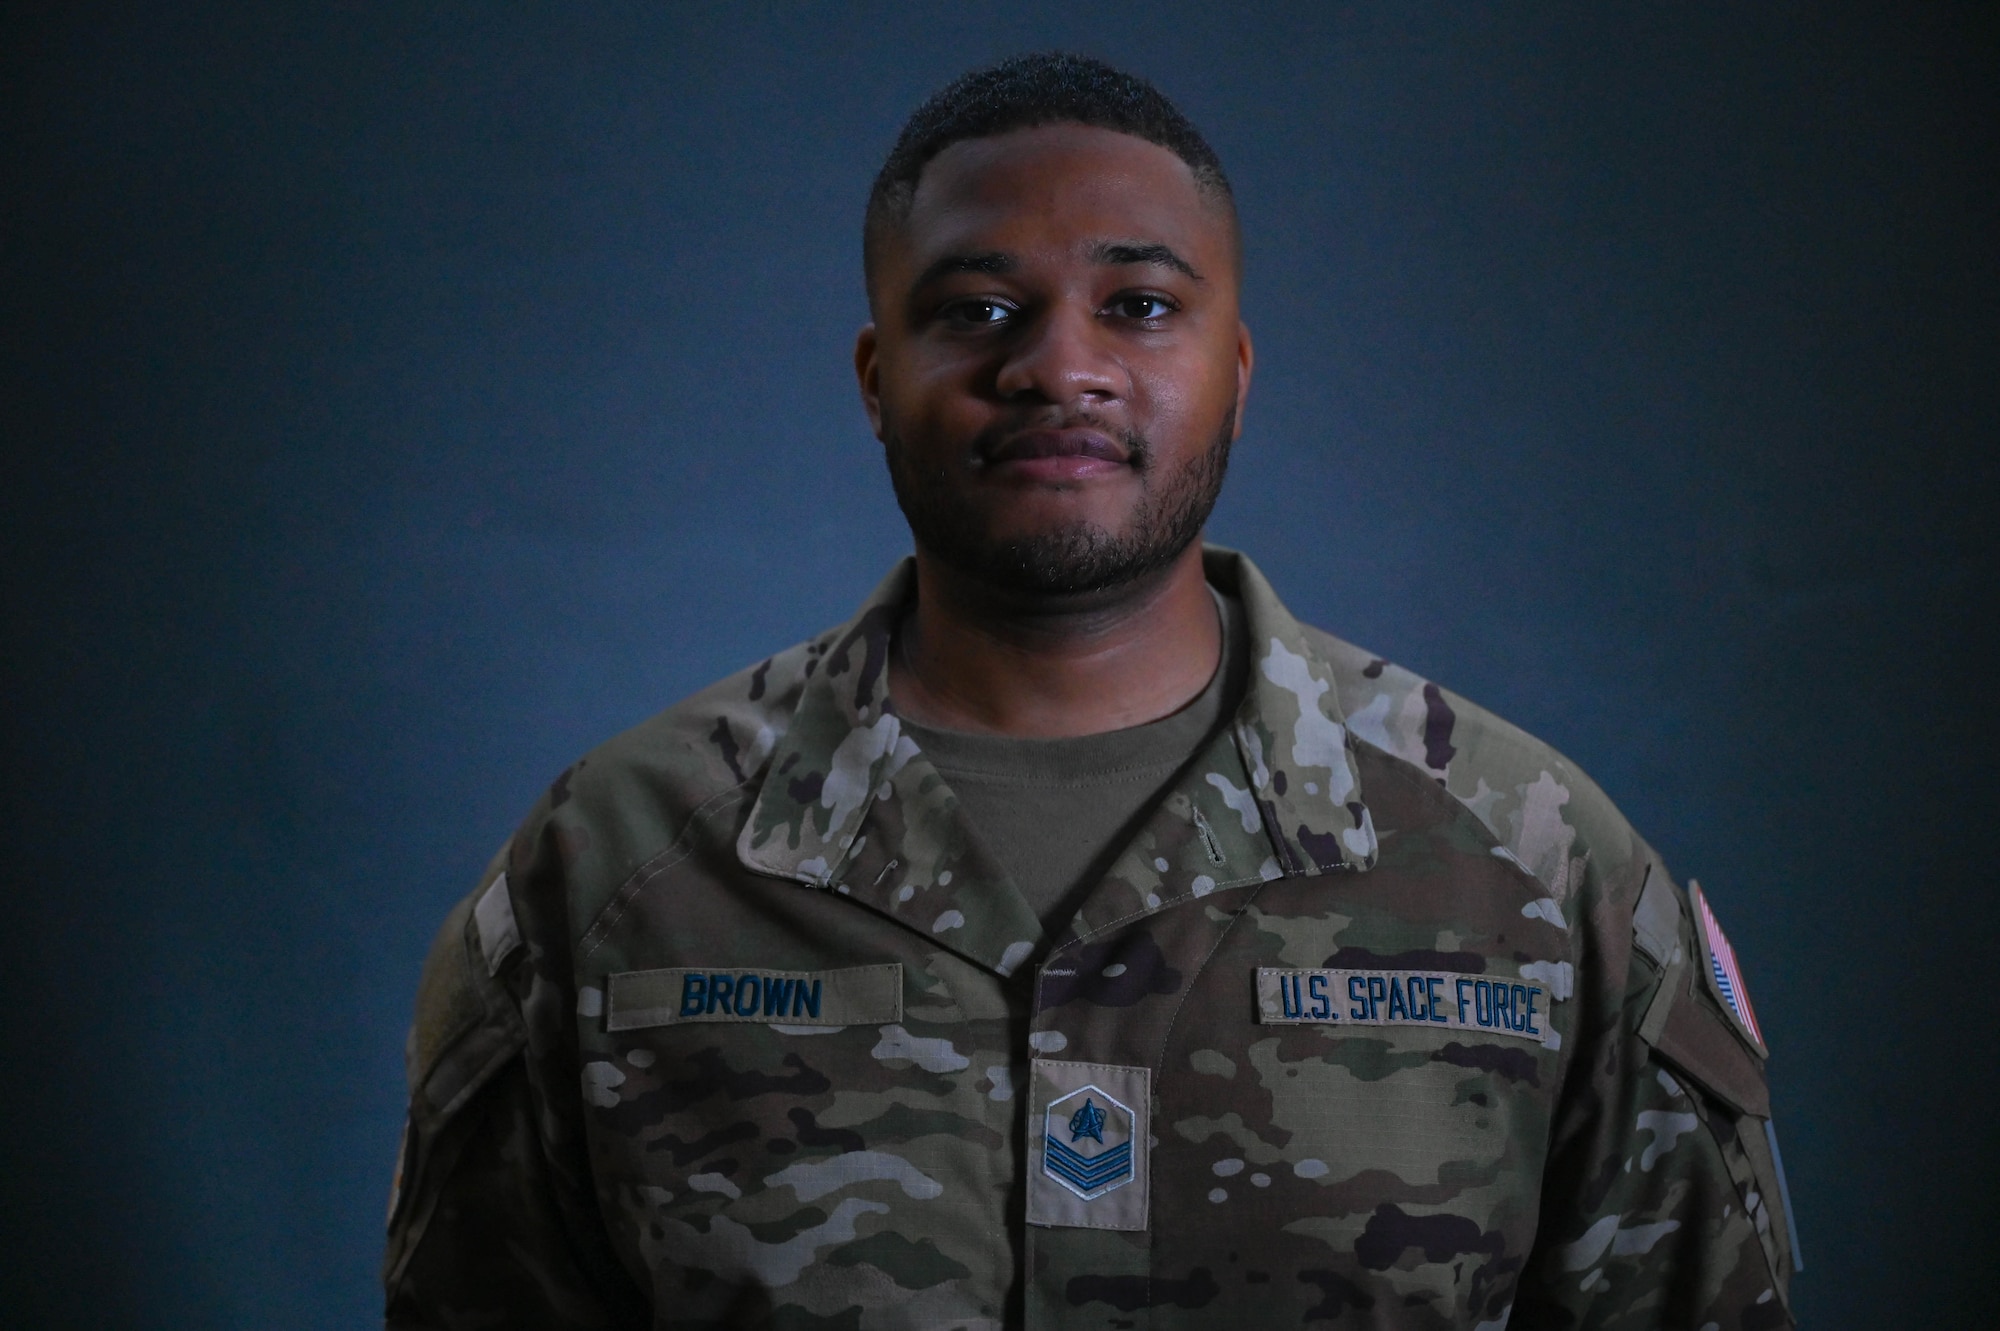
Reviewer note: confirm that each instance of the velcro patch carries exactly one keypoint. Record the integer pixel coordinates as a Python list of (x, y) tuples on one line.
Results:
[(1487, 1005), (849, 996), (1089, 1137), (1725, 977), (493, 916)]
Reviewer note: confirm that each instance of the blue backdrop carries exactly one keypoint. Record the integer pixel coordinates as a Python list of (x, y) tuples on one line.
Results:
[(399, 399)]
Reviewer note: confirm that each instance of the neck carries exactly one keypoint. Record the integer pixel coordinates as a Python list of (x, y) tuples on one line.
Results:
[(971, 659)]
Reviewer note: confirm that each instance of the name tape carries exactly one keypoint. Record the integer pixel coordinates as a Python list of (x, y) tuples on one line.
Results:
[(849, 996), (1488, 1005)]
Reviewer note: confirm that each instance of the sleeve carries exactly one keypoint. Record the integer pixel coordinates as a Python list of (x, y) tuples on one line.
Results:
[(1661, 1207), (481, 1230)]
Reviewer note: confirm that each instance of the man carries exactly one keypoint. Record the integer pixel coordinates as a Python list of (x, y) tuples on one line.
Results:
[(1074, 939)]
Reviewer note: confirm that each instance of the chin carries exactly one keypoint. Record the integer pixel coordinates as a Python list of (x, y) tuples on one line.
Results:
[(1057, 516)]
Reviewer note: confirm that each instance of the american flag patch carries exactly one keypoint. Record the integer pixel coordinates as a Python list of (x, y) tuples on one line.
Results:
[(1725, 977)]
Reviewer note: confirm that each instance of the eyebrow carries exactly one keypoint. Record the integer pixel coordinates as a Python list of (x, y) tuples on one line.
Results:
[(990, 261), (1111, 253), (1119, 253)]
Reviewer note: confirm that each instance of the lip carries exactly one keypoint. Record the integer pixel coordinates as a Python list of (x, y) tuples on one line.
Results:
[(1057, 455)]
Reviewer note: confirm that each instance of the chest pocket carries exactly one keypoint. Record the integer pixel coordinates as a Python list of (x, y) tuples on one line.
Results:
[(797, 1133), (1356, 1096)]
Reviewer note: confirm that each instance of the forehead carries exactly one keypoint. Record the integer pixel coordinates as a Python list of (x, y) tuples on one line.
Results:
[(1059, 188)]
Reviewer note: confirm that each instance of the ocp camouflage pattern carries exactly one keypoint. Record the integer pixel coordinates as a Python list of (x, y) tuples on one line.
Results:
[(1352, 816)]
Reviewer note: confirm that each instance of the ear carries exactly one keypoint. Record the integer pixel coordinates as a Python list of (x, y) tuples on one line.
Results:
[(868, 375), (1246, 359)]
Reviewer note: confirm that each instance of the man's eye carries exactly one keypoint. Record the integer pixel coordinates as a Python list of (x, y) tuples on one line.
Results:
[(1141, 307), (976, 313)]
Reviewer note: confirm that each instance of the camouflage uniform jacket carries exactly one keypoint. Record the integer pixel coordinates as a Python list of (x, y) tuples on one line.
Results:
[(1386, 1018)]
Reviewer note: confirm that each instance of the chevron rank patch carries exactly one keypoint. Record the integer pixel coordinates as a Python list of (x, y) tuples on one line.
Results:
[(1088, 1145), (1087, 1164), (1725, 977)]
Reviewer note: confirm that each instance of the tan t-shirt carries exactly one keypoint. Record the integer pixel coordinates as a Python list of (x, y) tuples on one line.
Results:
[(1056, 812)]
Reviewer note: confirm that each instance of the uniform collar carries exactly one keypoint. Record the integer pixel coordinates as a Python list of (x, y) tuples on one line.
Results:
[(1292, 733), (845, 775)]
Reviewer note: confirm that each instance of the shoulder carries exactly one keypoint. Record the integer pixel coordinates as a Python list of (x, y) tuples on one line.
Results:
[(1543, 810), (602, 818), (643, 791)]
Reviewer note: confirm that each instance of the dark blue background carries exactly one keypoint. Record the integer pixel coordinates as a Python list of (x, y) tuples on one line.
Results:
[(400, 399)]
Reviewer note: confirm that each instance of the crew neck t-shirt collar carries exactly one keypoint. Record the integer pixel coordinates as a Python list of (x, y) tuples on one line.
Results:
[(1055, 812)]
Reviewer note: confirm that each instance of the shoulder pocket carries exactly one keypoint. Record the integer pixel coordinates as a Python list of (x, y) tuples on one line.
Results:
[(1684, 1024), (1686, 1027), (466, 1029), (466, 1025)]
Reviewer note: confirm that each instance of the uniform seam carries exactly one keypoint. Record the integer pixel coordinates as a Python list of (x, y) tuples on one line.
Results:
[(1165, 903), (1235, 916), (1426, 783), (640, 878)]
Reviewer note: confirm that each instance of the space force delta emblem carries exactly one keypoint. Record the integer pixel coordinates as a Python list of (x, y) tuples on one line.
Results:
[(1090, 1144), (1088, 1165)]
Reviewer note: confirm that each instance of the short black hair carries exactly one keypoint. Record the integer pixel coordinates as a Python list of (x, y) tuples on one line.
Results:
[(1046, 88)]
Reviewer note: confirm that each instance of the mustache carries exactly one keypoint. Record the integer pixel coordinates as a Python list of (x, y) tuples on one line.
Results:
[(1048, 434)]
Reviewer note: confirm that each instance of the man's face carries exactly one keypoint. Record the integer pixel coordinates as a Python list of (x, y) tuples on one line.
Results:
[(1057, 367)]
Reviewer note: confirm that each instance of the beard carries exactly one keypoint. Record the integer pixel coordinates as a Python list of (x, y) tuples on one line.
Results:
[(1075, 558)]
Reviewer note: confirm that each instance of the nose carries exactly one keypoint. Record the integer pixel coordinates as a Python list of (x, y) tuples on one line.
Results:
[(1061, 358)]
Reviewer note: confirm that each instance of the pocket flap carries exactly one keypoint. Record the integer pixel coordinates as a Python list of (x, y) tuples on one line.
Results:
[(1698, 1040)]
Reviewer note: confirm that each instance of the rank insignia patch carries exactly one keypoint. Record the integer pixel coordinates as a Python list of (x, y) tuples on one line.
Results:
[(1078, 1155), (1725, 978), (1088, 1145)]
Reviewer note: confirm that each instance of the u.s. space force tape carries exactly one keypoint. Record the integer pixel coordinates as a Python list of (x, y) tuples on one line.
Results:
[(848, 996), (1486, 1004)]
